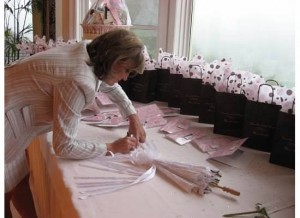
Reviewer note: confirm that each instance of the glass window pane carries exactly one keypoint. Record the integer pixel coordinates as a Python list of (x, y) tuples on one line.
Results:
[(258, 35), (149, 39), (143, 12)]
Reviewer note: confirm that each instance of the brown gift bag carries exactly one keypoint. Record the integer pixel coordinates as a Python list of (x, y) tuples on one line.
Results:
[(283, 147), (142, 86), (260, 122), (175, 81), (230, 107)]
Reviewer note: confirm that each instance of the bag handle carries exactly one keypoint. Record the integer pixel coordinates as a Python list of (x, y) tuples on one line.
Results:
[(272, 88), (236, 76), (161, 60), (195, 65), (272, 80)]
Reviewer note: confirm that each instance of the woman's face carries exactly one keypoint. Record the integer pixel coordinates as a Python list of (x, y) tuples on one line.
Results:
[(119, 71)]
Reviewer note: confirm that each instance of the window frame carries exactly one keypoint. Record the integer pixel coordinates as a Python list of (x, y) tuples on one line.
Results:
[(180, 27)]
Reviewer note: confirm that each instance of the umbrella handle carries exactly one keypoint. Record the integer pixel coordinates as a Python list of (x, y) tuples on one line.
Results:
[(226, 189)]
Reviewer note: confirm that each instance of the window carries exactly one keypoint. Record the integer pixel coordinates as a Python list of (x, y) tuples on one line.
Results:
[(258, 35), (144, 18), (162, 24)]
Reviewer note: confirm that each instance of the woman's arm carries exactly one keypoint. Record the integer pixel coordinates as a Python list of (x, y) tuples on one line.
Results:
[(119, 97), (68, 102)]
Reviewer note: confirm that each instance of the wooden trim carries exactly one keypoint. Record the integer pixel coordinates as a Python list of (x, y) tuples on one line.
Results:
[(163, 20), (44, 21), (37, 23)]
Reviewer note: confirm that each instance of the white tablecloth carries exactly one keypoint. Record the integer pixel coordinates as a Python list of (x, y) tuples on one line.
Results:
[(56, 195)]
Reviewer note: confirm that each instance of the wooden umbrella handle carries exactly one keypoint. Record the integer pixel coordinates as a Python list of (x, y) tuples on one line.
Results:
[(226, 189)]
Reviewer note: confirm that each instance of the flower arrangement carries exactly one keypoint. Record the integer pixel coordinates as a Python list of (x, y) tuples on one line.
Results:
[(40, 44)]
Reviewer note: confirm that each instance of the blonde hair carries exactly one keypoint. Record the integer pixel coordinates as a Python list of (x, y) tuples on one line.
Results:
[(114, 46)]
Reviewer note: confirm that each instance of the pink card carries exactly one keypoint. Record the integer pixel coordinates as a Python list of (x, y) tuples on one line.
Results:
[(107, 118), (154, 122), (150, 116), (144, 112), (228, 149), (212, 142), (169, 112), (175, 125), (184, 136)]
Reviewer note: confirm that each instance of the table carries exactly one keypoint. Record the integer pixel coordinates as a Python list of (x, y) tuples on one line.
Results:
[(55, 193)]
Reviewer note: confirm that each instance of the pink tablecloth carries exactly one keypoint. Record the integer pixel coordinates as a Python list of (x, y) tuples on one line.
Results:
[(56, 195)]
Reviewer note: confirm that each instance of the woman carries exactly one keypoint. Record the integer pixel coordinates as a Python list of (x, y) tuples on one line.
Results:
[(49, 90)]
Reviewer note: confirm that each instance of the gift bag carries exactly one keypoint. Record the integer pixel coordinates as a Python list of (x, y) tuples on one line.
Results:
[(213, 80), (162, 85), (125, 86), (162, 78), (207, 106), (283, 147), (284, 96), (216, 74), (142, 87), (191, 91), (165, 62), (190, 96), (230, 108), (260, 122), (175, 81)]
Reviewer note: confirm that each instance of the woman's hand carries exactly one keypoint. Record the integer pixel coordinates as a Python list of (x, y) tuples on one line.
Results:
[(136, 135), (136, 129), (123, 145)]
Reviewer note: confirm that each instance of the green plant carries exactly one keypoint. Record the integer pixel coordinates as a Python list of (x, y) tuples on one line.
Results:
[(15, 28)]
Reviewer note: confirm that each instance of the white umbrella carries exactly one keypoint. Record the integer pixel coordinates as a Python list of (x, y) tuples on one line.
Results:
[(140, 166)]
